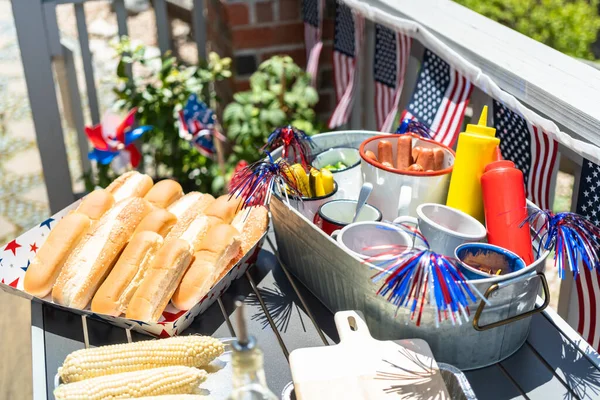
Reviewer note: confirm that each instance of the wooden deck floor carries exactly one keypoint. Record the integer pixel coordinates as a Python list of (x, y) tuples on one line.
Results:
[(15, 347)]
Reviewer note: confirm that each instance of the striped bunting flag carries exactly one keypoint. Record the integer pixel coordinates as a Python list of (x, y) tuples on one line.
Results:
[(392, 51), (532, 151), (439, 99), (587, 282), (312, 15), (347, 40)]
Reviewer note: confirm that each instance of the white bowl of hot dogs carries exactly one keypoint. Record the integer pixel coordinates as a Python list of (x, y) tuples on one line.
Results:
[(405, 171)]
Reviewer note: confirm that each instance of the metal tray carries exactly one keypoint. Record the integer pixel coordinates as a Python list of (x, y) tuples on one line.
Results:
[(343, 282)]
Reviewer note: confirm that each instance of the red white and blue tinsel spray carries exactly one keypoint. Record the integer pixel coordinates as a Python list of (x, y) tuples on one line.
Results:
[(197, 125), (572, 237), (113, 139), (256, 182), (293, 141), (414, 277), (413, 126)]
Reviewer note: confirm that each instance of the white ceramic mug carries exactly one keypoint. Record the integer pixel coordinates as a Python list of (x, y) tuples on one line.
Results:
[(356, 238), (398, 192), (349, 179), (445, 228)]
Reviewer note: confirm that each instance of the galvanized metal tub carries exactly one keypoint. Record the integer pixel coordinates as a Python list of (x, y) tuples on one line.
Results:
[(342, 282)]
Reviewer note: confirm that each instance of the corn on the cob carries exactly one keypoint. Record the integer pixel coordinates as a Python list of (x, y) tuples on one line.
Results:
[(151, 382), (327, 178), (190, 351), (176, 397)]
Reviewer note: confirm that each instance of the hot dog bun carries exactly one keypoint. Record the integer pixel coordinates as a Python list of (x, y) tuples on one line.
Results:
[(224, 208), (217, 250), (252, 223), (193, 231), (159, 221), (114, 294), (130, 184), (164, 193), (96, 253), (161, 280), (194, 202), (95, 204), (47, 264)]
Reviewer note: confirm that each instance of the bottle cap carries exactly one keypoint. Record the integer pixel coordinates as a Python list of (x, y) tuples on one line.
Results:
[(481, 128), (502, 164)]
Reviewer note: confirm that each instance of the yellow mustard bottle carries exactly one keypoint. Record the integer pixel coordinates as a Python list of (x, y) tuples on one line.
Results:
[(476, 148)]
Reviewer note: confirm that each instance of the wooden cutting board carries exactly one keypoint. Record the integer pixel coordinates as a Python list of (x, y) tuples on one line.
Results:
[(360, 367)]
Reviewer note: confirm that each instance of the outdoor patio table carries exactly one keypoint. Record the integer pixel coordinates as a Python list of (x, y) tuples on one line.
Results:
[(554, 363)]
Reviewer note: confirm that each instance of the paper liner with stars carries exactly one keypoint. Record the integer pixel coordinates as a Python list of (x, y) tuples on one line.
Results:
[(17, 254)]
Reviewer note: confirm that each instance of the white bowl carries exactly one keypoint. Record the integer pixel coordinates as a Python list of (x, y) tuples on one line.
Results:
[(398, 192)]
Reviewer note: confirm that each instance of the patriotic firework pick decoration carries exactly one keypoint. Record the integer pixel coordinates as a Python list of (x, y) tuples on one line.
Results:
[(413, 278), (256, 182), (571, 235), (293, 140), (113, 139), (413, 126)]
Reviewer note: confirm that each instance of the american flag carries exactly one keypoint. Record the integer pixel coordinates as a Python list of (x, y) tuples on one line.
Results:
[(587, 282), (392, 50), (532, 151), (312, 15), (347, 41), (439, 99)]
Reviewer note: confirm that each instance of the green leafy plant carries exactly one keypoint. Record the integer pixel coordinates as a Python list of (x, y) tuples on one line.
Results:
[(159, 87), (569, 26), (280, 94)]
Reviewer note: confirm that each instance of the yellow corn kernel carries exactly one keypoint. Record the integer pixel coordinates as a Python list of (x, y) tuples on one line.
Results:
[(189, 351), (151, 382)]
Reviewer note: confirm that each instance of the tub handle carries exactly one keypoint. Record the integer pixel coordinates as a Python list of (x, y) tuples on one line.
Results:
[(515, 318)]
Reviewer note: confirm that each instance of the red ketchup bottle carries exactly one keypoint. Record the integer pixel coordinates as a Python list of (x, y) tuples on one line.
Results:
[(505, 208)]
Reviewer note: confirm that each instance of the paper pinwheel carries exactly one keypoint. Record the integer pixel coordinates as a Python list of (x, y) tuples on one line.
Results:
[(113, 140), (197, 126)]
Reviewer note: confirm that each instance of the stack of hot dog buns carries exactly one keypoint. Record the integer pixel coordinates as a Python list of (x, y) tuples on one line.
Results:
[(134, 246), (407, 158)]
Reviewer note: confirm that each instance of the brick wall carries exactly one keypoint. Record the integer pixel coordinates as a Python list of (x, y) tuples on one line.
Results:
[(260, 29)]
